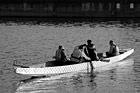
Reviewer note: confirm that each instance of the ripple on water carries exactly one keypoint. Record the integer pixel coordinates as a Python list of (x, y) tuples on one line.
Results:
[(32, 43)]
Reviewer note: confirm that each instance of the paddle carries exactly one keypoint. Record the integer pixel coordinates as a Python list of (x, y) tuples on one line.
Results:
[(104, 60), (90, 61), (102, 57), (91, 65)]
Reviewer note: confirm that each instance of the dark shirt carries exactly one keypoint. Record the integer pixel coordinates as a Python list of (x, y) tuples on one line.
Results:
[(86, 50), (63, 57), (93, 55), (60, 55)]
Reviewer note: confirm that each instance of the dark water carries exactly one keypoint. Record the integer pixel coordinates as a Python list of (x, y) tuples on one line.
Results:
[(31, 42)]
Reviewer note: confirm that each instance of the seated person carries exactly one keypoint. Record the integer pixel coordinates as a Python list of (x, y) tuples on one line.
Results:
[(114, 49), (78, 54), (92, 53), (60, 55)]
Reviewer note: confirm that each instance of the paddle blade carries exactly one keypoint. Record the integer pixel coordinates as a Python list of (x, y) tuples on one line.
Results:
[(105, 60)]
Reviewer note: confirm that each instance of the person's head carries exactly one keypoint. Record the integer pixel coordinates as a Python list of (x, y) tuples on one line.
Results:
[(61, 47), (81, 47), (89, 42), (84, 45), (111, 42)]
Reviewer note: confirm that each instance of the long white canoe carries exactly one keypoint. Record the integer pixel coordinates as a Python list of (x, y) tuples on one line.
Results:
[(41, 69)]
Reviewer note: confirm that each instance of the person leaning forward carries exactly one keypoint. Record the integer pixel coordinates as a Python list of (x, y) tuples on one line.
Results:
[(78, 54)]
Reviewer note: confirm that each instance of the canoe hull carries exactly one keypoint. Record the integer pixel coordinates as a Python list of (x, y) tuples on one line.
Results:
[(39, 70)]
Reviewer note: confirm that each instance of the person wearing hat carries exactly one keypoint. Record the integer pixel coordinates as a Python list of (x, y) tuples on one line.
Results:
[(93, 53), (114, 49), (60, 55)]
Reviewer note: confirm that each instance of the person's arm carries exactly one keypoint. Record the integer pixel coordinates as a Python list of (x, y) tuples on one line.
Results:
[(111, 49), (84, 55), (97, 58), (55, 57), (117, 50), (64, 55), (86, 51)]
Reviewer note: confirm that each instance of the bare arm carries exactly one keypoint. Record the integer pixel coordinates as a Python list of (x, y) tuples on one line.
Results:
[(97, 58), (111, 49), (84, 55)]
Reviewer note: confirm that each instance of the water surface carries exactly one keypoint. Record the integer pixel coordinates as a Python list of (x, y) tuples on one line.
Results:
[(32, 42)]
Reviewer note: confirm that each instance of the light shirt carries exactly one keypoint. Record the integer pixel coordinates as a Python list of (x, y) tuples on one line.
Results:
[(84, 55), (77, 54), (114, 50)]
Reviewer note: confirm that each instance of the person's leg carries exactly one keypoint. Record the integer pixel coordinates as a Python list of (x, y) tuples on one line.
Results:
[(108, 54), (100, 55)]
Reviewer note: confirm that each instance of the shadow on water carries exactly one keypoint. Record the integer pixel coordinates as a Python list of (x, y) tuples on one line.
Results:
[(31, 79)]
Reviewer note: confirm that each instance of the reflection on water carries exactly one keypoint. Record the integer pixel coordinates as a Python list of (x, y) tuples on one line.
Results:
[(31, 42)]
